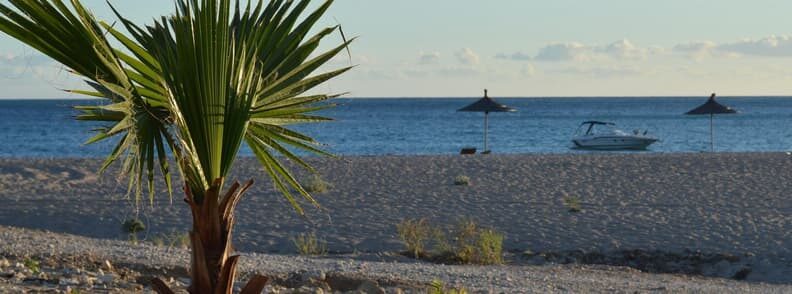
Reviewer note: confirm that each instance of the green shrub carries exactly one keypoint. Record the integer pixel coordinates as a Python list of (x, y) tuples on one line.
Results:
[(474, 244), (414, 233), (462, 180), (438, 287), (572, 203), (468, 243), (465, 235), (490, 247), (33, 265), (317, 185), (133, 226), (309, 244)]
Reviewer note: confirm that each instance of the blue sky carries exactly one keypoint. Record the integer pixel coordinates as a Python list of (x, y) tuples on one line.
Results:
[(518, 48)]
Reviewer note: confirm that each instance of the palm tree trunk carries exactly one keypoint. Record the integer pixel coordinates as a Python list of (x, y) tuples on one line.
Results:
[(212, 267)]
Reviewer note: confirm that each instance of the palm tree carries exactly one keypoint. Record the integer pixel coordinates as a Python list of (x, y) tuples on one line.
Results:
[(194, 86)]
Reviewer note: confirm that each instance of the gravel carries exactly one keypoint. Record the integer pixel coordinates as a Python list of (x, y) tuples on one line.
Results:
[(133, 264)]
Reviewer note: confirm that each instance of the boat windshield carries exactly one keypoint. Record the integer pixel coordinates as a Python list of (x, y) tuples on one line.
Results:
[(598, 128)]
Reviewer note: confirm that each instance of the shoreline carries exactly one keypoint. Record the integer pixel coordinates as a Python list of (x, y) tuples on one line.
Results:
[(593, 153)]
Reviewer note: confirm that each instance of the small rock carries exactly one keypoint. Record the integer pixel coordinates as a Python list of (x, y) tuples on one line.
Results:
[(19, 276), (742, 274), (368, 286), (313, 275), (68, 282), (108, 266), (87, 280), (106, 279)]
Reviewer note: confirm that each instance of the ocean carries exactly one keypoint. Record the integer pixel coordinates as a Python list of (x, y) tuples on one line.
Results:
[(408, 126)]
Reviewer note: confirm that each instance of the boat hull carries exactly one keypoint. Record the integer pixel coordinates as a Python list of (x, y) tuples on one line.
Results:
[(613, 142)]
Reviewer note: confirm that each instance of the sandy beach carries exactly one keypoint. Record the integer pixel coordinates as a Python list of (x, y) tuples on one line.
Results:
[(734, 204)]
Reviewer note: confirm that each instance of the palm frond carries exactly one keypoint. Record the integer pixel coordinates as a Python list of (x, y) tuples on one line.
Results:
[(73, 37), (196, 84)]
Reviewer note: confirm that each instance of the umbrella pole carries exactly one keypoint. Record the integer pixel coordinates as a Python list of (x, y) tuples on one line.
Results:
[(486, 126), (712, 137)]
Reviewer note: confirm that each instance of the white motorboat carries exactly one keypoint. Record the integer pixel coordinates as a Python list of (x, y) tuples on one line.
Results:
[(604, 136)]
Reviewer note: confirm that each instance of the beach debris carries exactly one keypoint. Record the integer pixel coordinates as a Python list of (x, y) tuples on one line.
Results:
[(572, 203), (462, 180)]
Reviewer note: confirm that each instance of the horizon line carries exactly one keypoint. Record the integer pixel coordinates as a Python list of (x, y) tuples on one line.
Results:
[(465, 97)]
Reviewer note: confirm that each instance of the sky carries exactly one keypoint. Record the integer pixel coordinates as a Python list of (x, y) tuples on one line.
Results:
[(514, 48)]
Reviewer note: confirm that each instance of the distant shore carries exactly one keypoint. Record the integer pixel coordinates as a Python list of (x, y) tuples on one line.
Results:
[(722, 203)]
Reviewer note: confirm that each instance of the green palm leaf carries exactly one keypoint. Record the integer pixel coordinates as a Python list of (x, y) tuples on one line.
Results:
[(195, 84)]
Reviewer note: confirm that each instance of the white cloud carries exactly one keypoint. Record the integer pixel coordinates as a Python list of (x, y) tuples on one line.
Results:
[(519, 56), (563, 52), (381, 74), (467, 56), (457, 72), (429, 58), (777, 46), (772, 46), (697, 50), (623, 49), (575, 51), (35, 67), (7, 59), (600, 71)]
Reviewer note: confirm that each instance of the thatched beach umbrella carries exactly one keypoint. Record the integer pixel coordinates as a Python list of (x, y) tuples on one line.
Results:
[(711, 107), (486, 105)]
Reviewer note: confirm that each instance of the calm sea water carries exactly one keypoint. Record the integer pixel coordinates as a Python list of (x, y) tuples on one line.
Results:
[(46, 128)]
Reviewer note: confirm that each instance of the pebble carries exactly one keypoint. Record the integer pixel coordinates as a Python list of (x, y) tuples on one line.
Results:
[(73, 251)]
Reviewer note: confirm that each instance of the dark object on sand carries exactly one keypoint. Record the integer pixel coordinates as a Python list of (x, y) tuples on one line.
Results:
[(486, 105), (133, 226), (468, 150), (711, 107)]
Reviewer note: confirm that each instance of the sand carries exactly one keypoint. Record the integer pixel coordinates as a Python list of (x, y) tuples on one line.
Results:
[(724, 203)]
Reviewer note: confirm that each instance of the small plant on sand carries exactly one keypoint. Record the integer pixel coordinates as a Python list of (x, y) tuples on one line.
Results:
[(572, 203), (490, 247), (309, 244), (33, 265), (473, 244), (414, 233), (466, 243), (173, 239), (133, 226), (317, 185), (465, 235), (462, 180), (438, 287)]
